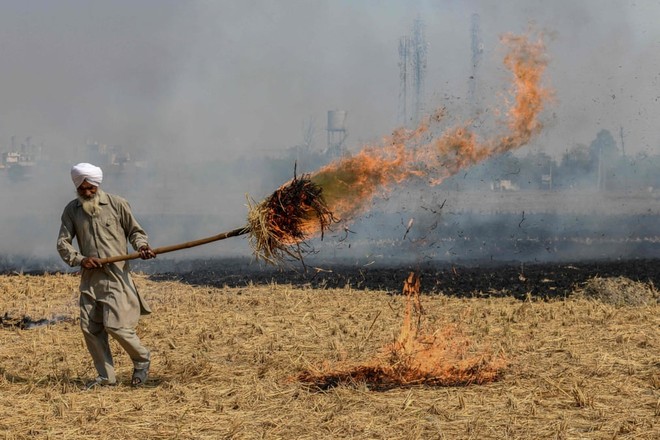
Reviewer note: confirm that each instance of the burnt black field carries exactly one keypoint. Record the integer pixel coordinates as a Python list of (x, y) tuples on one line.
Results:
[(520, 280)]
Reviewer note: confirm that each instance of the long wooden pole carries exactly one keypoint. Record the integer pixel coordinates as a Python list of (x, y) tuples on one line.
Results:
[(176, 247)]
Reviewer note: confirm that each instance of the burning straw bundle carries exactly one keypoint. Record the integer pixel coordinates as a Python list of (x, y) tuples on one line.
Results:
[(285, 219), (277, 226)]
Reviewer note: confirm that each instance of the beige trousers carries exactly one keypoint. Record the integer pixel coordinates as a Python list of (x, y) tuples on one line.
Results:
[(96, 333)]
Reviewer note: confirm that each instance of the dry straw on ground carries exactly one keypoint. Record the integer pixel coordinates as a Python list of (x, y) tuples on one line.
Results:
[(226, 359), (620, 291)]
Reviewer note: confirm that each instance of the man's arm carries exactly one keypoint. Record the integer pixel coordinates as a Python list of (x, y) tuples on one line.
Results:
[(135, 234), (65, 247)]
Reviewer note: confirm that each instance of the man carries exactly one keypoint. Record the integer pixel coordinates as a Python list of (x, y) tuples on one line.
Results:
[(110, 304)]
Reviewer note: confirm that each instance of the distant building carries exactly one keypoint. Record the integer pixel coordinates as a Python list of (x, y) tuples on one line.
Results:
[(503, 185), (18, 163)]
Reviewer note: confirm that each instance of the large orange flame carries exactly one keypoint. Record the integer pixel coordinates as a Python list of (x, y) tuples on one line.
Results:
[(350, 183)]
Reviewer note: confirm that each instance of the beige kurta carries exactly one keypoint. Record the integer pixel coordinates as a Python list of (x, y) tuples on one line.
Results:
[(105, 235)]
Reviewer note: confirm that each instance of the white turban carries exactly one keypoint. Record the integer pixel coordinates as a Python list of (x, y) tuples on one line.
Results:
[(88, 172)]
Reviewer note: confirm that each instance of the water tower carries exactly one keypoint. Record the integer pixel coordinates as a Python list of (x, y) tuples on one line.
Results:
[(336, 132)]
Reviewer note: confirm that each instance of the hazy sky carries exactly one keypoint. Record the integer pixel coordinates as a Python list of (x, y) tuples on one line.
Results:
[(214, 78), (195, 81)]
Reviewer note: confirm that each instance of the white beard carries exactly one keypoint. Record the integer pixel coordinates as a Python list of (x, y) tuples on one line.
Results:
[(91, 206)]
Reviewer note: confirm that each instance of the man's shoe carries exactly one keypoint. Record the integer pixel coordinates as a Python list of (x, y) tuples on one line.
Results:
[(99, 382), (140, 376)]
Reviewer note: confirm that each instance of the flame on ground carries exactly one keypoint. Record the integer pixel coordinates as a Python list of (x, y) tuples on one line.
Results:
[(444, 357)]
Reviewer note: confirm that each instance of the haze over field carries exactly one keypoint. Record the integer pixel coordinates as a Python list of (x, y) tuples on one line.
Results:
[(189, 88)]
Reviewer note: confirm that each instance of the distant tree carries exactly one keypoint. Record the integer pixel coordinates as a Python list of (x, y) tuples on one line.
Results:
[(533, 167), (603, 147), (483, 175), (641, 172), (576, 167), (577, 158), (604, 153)]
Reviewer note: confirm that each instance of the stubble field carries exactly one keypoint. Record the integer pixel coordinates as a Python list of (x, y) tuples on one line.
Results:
[(226, 360)]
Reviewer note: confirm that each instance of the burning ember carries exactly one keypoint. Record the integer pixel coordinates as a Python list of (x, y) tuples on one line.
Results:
[(417, 357), (305, 207)]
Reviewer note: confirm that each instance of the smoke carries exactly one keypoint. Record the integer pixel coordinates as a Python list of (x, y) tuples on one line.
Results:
[(208, 99)]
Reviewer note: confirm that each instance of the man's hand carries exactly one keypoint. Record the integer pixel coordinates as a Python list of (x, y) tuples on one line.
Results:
[(146, 252), (91, 263)]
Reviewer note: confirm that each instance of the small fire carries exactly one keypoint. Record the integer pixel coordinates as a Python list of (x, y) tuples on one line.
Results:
[(440, 358)]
